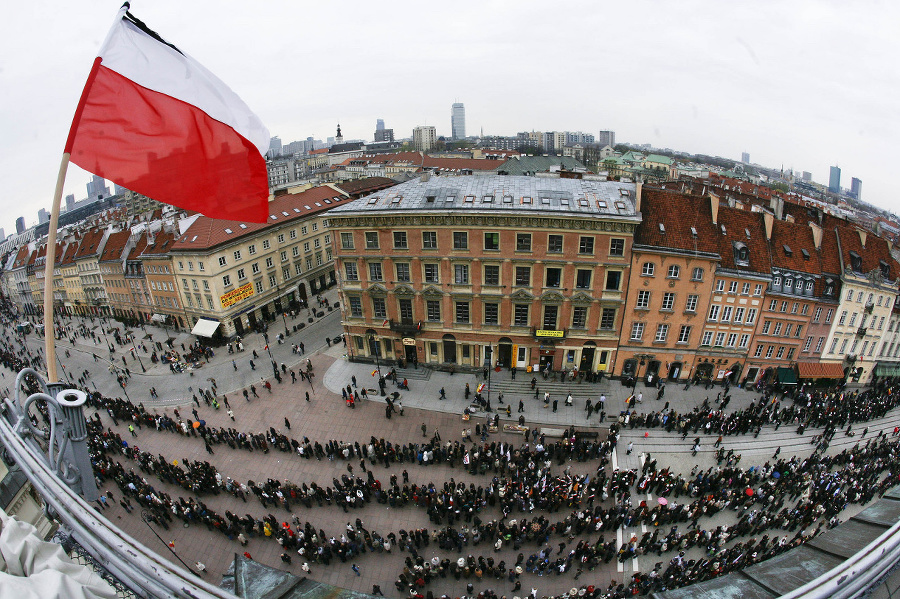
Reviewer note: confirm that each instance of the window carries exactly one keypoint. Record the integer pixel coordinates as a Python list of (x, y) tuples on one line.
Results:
[(429, 240), (305, 246), (400, 242), (745, 290), (582, 279), (769, 351), (492, 241), (491, 274), (616, 247), (241, 274), (720, 286), (773, 305), (295, 251), (643, 300), (758, 351), (523, 276), (523, 242), (375, 273), (691, 305), (550, 317), (662, 331), (462, 312), (808, 343), (843, 318), (281, 238), (726, 314), (767, 326), (707, 338), (637, 331), (491, 313), (697, 274), (297, 268), (648, 269), (406, 310), (586, 245), (460, 240), (833, 345), (720, 340), (433, 310), (266, 244), (285, 272), (283, 256), (732, 340), (520, 315), (881, 323), (553, 277), (732, 287), (745, 340), (402, 272), (379, 310), (269, 262), (272, 281), (190, 266), (259, 287), (608, 319), (780, 353), (777, 330), (829, 315), (431, 273), (554, 244), (684, 334), (668, 301), (371, 240), (294, 235), (738, 315), (202, 267), (714, 312), (799, 331), (237, 254), (303, 230), (783, 307), (461, 274), (226, 281), (579, 317), (613, 280)]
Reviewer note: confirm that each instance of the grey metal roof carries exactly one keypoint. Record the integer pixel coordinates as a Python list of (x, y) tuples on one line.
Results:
[(492, 193)]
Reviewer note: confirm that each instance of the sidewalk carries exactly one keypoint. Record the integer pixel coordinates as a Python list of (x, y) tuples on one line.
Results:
[(425, 385)]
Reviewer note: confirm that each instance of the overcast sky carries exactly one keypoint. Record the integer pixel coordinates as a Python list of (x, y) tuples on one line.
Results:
[(800, 84)]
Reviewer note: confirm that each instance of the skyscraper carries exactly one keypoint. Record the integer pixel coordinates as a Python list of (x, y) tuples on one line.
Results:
[(43, 216), (20, 225), (424, 137), (745, 157), (834, 180), (70, 201), (856, 188), (607, 138), (379, 125), (458, 120), (275, 147)]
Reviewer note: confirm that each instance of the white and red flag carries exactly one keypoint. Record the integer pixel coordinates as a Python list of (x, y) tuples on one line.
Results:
[(155, 121)]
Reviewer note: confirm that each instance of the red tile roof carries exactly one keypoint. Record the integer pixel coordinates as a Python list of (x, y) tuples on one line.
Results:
[(875, 251), (678, 213), (22, 257), (206, 233), (733, 225), (797, 237), (90, 244), (820, 370), (162, 243), (139, 247), (115, 244)]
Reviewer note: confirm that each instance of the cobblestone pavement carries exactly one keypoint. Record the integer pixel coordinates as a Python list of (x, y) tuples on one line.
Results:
[(326, 417)]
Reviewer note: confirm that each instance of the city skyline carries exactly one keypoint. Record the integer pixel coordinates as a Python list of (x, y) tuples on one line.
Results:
[(775, 49)]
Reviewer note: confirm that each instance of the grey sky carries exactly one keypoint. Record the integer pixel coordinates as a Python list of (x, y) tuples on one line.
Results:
[(803, 84)]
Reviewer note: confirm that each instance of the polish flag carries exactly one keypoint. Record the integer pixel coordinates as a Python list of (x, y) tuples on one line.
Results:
[(155, 121)]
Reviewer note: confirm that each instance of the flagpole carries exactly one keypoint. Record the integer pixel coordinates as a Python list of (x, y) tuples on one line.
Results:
[(50, 264)]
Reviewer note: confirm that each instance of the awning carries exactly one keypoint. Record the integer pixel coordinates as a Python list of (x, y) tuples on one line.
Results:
[(887, 369), (786, 376), (820, 370), (158, 318), (205, 328)]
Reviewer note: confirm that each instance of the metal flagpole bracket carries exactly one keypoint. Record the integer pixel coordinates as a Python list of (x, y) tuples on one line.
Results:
[(67, 447)]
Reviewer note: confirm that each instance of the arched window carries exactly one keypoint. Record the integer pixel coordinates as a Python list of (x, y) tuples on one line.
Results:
[(698, 274), (674, 271)]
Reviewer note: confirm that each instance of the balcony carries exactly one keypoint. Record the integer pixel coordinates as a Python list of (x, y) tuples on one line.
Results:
[(861, 331), (406, 328)]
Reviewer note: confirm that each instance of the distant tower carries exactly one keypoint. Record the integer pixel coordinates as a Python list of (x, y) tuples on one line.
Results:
[(20, 225), (745, 157), (70, 201), (275, 147), (424, 137), (834, 180), (97, 189), (379, 125), (338, 139), (856, 188), (458, 120), (607, 138), (43, 216)]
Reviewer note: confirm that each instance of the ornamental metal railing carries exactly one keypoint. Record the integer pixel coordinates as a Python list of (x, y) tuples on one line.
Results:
[(64, 474)]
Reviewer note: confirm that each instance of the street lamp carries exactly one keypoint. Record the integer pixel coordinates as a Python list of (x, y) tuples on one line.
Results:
[(637, 370), (145, 516), (375, 349)]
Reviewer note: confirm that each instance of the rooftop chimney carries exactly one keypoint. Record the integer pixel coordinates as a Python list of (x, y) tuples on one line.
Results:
[(768, 221), (817, 234), (714, 206)]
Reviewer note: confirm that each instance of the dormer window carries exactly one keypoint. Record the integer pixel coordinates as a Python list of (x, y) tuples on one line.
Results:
[(776, 282), (885, 269), (787, 250), (855, 262), (829, 288), (805, 254), (788, 284), (741, 254)]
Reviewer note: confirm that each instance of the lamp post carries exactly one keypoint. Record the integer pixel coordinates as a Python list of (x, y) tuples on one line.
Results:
[(643, 358), (375, 349), (145, 516)]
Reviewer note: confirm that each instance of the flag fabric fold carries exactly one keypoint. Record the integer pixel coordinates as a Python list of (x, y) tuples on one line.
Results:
[(155, 121)]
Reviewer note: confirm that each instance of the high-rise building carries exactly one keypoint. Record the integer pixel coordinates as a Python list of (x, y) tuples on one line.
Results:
[(379, 125), (745, 157), (607, 138), (856, 188), (384, 135), (834, 180), (2, 234), (807, 176), (275, 147), (20, 225), (424, 137), (97, 189), (43, 216), (70, 202), (458, 120)]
